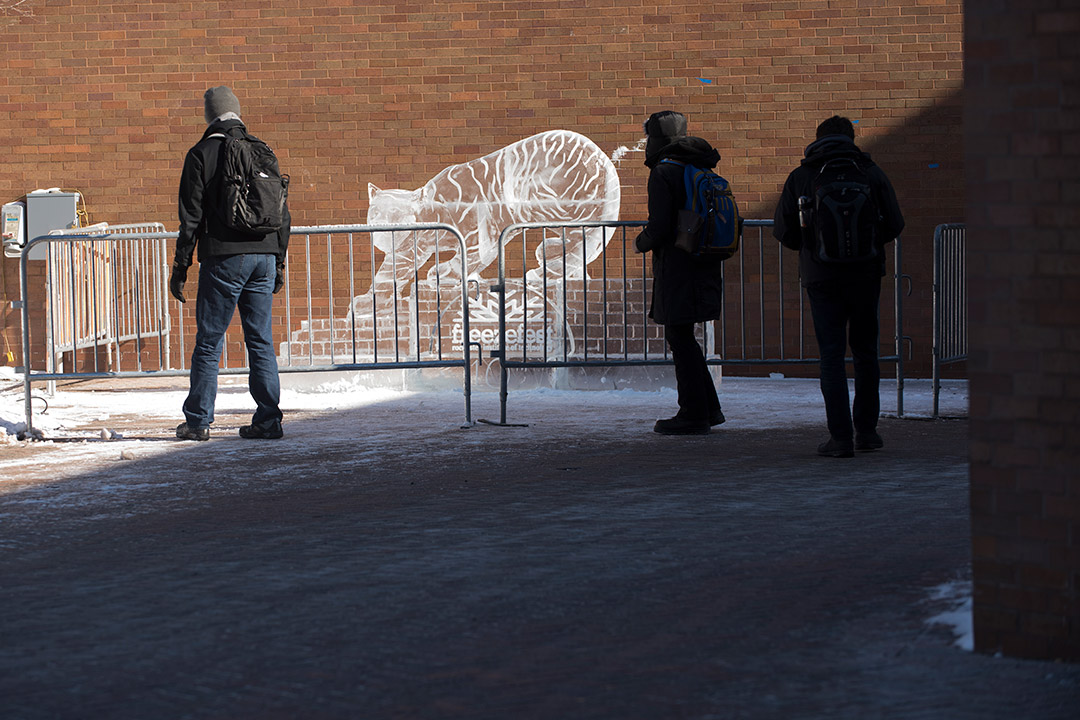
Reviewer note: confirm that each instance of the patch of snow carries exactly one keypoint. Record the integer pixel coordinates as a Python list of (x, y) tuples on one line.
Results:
[(957, 596)]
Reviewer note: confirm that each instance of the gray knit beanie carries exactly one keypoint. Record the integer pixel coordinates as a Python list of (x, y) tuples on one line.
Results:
[(220, 100)]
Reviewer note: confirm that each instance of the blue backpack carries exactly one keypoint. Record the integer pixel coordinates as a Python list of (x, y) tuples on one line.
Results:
[(709, 224)]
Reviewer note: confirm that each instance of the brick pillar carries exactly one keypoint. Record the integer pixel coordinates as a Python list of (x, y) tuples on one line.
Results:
[(1022, 132)]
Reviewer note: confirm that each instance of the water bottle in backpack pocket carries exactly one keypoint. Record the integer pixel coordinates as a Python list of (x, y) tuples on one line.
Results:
[(845, 217)]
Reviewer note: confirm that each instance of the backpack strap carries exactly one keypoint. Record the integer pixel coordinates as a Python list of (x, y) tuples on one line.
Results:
[(688, 181)]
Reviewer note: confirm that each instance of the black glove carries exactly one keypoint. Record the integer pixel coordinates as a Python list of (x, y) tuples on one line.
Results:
[(279, 279), (176, 282), (643, 243)]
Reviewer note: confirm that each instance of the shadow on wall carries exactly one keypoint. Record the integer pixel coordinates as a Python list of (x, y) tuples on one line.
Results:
[(924, 159)]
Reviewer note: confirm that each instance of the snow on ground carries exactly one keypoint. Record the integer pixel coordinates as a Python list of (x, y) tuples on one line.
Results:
[(122, 420), (104, 426), (957, 596)]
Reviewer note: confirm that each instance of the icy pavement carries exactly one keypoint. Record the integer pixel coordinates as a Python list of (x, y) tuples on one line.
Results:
[(749, 403), (383, 561)]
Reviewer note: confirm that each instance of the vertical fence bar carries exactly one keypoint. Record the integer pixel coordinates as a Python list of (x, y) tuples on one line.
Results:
[(116, 305), (742, 303), (288, 313), (330, 292), (74, 309), (899, 321), (584, 293), (352, 297), (137, 290), (761, 293), (415, 334), (780, 285), (374, 315), (625, 302), (397, 324), (310, 315), (438, 296)]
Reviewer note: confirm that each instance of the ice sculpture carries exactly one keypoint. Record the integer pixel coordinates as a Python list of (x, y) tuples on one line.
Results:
[(555, 176)]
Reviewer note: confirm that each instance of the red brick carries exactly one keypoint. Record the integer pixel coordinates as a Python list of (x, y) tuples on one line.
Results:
[(436, 80)]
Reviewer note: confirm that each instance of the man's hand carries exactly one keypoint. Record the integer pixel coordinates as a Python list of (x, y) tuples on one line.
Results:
[(176, 282), (279, 279)]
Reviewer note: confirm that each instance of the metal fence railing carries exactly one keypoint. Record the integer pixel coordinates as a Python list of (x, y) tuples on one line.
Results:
[(950, 301), (343, 306), (585, 302), (104, 293), (361, 297)]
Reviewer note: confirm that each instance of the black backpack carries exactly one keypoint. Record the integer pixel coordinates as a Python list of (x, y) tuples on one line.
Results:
[(253, 190), (846, 218)]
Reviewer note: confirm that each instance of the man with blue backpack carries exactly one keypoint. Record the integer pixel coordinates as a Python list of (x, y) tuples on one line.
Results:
[(693, 227), (839, 210)]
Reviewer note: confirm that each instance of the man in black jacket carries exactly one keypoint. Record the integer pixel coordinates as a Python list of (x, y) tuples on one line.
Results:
[(844, 296), (236, 270), (686, 289)]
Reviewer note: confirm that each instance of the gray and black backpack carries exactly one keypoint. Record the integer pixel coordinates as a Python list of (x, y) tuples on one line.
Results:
[(253, 192), (846, 218)]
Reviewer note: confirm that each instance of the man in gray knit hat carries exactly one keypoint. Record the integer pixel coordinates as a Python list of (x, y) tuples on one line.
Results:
[(237, 270)]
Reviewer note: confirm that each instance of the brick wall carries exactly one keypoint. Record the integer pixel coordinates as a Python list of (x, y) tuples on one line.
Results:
[(105, 97), (1022, 159)]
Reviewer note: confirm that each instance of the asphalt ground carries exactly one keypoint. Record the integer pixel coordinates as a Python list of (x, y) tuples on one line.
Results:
[(579, 567)]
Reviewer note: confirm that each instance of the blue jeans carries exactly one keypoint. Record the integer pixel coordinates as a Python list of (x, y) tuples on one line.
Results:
[(228, 282), (846, 313)]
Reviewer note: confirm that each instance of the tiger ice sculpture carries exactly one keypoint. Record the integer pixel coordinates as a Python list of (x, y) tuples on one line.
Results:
[(555, 176), (551, 177)]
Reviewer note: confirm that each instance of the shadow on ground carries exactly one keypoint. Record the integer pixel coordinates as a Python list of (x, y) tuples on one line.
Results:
[(548, 571)]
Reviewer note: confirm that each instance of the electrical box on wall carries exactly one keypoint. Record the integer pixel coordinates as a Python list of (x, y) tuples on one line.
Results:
[(48, 210), (40, 213), (13, 219)]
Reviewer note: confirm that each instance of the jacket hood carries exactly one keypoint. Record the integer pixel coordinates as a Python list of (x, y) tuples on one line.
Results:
[(691, 150), (833, 146), (222, 126)]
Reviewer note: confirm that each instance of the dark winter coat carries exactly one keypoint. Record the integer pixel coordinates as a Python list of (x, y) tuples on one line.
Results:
[(686, 289), (787, 230), (200, 192)]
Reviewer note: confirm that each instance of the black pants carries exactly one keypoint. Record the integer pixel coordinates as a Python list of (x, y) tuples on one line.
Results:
[(697, 393), (847, 313)]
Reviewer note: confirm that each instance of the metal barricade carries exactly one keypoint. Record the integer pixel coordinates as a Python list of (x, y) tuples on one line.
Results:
[(105, 292), (346, 306), (950, 301), (586, 303)]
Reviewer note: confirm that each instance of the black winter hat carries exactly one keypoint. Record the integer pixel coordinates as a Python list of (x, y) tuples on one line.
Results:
[(663, 128), (666, 124), (218, 101)]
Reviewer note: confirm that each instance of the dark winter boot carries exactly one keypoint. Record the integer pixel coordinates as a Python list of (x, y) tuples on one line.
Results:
[(868, 441), (836, 448), (681, 426), (253, 432), (186, 432)]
